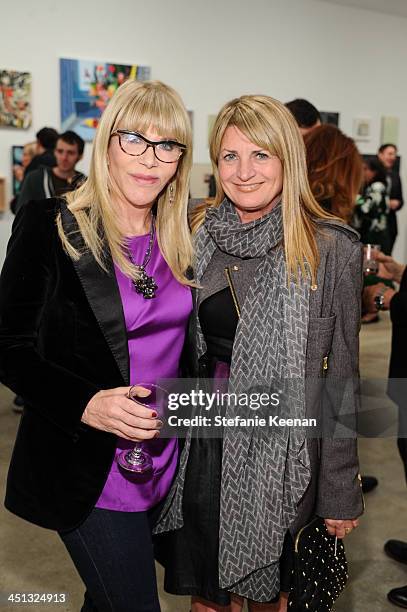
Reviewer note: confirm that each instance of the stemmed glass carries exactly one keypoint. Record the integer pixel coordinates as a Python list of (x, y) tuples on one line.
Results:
[(138, 460), (370, 265)]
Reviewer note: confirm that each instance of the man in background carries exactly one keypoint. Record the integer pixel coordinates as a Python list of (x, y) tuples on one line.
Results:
[(49, 182), (387, 155), (44, 155), (381, 297), (305, 114)]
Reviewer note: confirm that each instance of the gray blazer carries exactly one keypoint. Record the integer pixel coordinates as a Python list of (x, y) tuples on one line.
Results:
[(334, 490)]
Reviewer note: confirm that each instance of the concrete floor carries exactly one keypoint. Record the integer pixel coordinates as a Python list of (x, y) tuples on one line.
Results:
[(33, 559)]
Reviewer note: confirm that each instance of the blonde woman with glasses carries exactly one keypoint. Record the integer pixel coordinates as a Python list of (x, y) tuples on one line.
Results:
[(94, 300), (279, 301)]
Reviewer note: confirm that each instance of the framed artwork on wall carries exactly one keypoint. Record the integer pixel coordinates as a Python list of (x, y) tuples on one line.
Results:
[(15, 99), (17, 167), (200, 175), (389, 130), (329, 117), (211, 123), (361, 129), (86, 88)]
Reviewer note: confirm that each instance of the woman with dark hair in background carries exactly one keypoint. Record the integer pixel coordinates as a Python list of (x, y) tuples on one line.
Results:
[(44, 156), (372, 207), (334, 170), (371, 219)]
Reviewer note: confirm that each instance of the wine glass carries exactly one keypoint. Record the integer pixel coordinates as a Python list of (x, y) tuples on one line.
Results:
[(370, 264), (138, 460)]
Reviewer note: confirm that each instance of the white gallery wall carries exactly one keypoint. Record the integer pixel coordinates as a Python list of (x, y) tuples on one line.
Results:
[(343, 59)]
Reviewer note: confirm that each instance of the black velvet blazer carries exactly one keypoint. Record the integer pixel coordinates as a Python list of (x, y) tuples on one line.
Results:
[(62, 339)]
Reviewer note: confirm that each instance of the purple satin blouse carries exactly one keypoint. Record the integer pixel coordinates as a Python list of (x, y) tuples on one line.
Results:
[(155, 334)]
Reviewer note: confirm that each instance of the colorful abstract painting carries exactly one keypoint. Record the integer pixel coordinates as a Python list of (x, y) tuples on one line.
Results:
[(86, 88), (15, 99)]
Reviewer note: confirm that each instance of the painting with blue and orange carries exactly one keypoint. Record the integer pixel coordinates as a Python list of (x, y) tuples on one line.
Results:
[(86, 88)]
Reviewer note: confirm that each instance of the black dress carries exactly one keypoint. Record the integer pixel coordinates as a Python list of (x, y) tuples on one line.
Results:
[(190, 554)]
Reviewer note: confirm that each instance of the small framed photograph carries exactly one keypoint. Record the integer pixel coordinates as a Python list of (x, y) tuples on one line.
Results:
[(361, 129), (329, 117)]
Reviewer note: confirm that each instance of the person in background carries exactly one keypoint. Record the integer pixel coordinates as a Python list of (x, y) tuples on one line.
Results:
[(305, 114), (44, 156), (372, 207), (371, 219), (334, 170), (381, 297), (52, 182), (19, 170), (29, 152), (94, 297), (387, 154)]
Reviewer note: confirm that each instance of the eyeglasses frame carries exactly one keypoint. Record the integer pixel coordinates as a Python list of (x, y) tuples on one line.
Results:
[(150, 143)]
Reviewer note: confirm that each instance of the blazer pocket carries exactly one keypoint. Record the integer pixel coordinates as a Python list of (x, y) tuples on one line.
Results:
[(320, 335)]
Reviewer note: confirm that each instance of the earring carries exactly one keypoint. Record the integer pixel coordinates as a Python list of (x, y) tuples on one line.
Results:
[(171, 198)]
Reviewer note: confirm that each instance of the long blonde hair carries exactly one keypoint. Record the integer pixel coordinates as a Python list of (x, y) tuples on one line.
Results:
[(135, 106), (270, 125)]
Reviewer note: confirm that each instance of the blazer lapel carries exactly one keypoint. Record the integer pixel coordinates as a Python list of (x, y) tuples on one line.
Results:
[(103, 295)]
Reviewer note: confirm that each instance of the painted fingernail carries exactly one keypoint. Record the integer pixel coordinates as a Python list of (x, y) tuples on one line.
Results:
[(153, 414), (159, 424), (157, 434)]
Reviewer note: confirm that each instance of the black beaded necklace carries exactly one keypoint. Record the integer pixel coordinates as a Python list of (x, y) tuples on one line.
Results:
[(145, 284)]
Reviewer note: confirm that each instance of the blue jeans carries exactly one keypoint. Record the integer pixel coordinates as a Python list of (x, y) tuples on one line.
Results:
[(113, 553)]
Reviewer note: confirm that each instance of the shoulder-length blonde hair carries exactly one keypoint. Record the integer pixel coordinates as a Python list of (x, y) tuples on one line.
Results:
[(334, 169), (270, 125), (135, 106)]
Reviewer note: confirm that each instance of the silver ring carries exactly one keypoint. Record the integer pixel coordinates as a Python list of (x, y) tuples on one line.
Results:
[(129, 392)]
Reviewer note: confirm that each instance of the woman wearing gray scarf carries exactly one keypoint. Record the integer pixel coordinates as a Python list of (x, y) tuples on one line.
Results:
[(279, 300)]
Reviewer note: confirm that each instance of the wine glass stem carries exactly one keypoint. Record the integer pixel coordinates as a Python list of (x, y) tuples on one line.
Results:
[(137, 450)]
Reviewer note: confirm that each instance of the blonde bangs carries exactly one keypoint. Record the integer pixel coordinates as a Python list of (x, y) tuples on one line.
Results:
[(152, 109), (255, 128)]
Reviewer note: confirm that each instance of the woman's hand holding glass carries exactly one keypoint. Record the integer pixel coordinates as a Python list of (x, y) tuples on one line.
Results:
[(340, 528), (111, 410)]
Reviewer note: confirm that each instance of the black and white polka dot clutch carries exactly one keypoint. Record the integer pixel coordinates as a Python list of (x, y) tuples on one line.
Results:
[(320, 569)]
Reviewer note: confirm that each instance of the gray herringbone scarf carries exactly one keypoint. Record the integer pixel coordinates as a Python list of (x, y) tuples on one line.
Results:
[(263, 476)]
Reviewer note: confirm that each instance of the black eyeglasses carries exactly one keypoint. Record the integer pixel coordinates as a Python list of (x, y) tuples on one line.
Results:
[(133, 143)]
